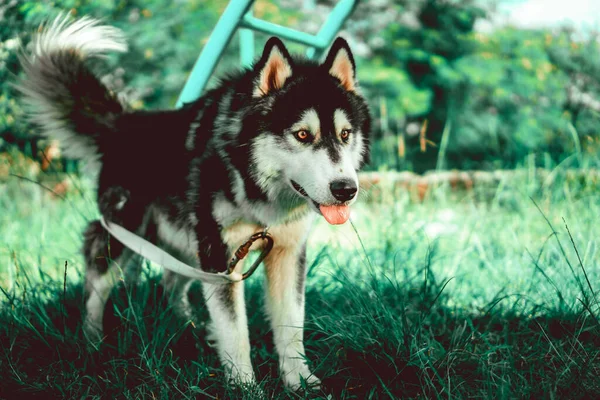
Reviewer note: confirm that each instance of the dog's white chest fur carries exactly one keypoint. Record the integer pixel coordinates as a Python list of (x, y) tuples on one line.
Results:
[(237, 231), (289, 236)]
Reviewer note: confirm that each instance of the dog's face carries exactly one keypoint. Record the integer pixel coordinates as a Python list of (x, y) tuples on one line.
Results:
[(314, 129)]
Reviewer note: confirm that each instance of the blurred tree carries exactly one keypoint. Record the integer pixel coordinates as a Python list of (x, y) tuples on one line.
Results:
[(513, 101), (508, 93), (579, 59), (415, 46)]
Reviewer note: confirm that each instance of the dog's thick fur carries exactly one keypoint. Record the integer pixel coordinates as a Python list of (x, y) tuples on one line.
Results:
[(270, 146)]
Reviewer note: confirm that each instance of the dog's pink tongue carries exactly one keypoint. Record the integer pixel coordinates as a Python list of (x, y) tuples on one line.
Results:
[(335, 215)]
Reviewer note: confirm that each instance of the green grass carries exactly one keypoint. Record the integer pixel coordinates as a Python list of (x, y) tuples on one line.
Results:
[(482, 295)]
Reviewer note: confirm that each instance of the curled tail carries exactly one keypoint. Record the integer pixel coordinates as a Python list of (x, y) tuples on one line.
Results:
[(62, 95)]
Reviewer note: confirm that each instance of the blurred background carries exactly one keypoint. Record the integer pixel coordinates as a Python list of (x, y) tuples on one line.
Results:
[(509, 83)]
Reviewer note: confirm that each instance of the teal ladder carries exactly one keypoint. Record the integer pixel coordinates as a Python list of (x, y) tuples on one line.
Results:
[(238, 14)]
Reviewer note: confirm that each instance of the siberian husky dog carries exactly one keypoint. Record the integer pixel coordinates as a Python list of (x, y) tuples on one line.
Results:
[(276, 146)]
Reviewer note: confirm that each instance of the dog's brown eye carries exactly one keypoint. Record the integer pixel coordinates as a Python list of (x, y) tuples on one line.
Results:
[(303, 136), (345, 135)]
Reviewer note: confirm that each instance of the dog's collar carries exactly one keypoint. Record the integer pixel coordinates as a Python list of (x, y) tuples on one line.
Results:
[(157, 255)]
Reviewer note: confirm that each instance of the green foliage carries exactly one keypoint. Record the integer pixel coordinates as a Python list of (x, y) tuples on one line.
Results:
[(504, 93), (427, 51), (514, 101)]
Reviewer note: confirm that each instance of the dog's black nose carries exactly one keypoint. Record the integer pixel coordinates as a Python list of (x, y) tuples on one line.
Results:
[(343, 190)]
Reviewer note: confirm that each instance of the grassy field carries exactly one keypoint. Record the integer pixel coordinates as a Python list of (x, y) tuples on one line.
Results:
[(486, 294)]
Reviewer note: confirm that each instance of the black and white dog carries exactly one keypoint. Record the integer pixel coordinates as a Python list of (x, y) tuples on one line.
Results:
[(273, 146)]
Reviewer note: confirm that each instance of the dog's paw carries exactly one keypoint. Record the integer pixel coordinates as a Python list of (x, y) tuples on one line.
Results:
[(93, 333), (112, 202), (241, 376), (246, 390), (303, 379)]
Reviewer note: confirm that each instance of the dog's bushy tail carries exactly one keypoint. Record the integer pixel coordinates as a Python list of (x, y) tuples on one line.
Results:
[(61, 94)]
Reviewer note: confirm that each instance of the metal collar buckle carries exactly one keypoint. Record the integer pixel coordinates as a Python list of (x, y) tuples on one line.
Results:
[(243, 250)]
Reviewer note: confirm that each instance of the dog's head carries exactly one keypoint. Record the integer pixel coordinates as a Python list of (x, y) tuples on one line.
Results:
[(312, 135)]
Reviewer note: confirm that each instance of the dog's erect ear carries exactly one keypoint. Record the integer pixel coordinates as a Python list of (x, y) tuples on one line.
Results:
[(273, 68), (340, 64)]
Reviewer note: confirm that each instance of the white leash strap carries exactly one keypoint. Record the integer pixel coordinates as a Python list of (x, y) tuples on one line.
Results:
[(157, 255)]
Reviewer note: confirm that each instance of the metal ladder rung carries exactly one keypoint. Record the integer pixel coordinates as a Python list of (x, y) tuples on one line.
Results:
[(270, 28), (238, 14)]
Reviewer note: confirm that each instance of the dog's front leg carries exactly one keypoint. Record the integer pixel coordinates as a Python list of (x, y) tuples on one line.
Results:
[(229, 329), (286, 269), (229, 323)]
